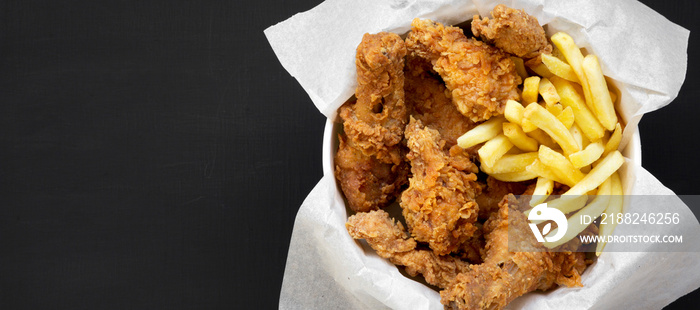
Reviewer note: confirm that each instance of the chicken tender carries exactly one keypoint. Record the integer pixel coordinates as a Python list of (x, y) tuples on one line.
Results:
[(480, 77), (439, 205), (506, 275), (376, 121), (513, 31), (390, 241)]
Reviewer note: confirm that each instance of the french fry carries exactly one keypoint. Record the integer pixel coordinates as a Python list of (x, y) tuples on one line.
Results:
[(588, 155), (555, 109), (615, 207), (552, 126), (561, 166), (527, 125), (566, 117), (601, 101), (578, 136), (614, 141), (519, 67), (531, 88), (607, 166), (494, 149), (565, 204), (518, 137), (517, 176), (542, 138), (559, 68), (574, 57), (510, 163), (481, 133), (594, 209), (541, 170), (514, 112), (582, 115), (542, 71), (548, 92), (543, 189)]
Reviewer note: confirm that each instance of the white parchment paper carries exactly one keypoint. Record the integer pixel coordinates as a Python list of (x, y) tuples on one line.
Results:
[(641, 51)]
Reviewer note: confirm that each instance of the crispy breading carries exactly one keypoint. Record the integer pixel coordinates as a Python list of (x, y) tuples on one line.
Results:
[(514, 32), (438, 205), (480, 77)]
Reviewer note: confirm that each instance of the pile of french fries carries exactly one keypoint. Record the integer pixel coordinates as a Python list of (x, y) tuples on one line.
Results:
[(571, 137)]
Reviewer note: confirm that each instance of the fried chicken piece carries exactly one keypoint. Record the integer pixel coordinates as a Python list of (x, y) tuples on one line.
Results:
[(377, 120), (368, 184), (429, 100), (513, 31), (506, 275), (480, 78), (438, 205), (493, 193), (390, 241), (370, 164)]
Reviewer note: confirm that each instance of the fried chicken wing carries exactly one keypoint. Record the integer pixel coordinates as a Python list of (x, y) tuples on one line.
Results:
[(513, 31), (493, 193), (506, 275), (368, 184), (370, 164), (480, 78), (390, 241), (375, 122), (438, 205), (429, 100)]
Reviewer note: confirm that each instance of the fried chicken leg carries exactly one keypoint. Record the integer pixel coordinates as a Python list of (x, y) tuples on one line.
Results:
[(390, 241), (370, 164), (439, 205), (506, 275), (481, 78), (513, 31)]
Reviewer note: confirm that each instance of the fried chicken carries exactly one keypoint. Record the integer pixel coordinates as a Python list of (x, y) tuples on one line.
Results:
[(377, 120), (493, 193), (368, 184), (438, 205), (429, 100), (513, 31), (390, 241), (480, 78), (506, 275), (370, 164)]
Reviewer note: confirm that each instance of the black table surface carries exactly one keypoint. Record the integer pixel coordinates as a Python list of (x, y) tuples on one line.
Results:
[(154, 155)]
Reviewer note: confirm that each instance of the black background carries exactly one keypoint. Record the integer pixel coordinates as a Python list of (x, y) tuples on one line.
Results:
[(154, 155)]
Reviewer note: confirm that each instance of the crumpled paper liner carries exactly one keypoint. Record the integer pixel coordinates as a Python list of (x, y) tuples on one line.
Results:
[(643, 54)]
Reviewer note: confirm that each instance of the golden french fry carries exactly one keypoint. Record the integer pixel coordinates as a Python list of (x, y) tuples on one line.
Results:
[(593, 210), (552, 126), (518, 137), (574, 57), (527, 125), (548, 92), (519, 67), (517, 176), (541, 170), (510, 163), (561, 166), (481, 133), (542, 138), (602, 103), (607, 166), (566, 117), (542, 70), (578, 136), (588, 155), (565, 204), (531, 87), (559, 68), (514, 112), (614, 141), (543, 189), (494, 149), (555, 109), (582, 115), (614, 208)]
